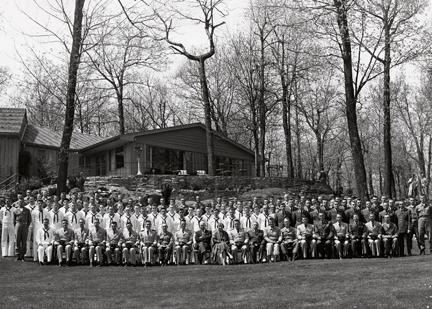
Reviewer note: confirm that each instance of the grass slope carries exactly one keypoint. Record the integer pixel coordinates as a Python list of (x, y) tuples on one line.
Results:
[(356, 283)]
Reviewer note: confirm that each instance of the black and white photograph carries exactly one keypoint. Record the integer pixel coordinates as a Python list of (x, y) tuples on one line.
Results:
[(215, 154)]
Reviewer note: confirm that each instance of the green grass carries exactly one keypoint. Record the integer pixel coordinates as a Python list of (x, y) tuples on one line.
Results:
[(352, 283)]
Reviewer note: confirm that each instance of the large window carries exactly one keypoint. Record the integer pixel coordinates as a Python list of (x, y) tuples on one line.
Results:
[(119, 157)]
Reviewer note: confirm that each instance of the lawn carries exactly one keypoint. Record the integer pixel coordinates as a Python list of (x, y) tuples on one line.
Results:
[(357, 283)]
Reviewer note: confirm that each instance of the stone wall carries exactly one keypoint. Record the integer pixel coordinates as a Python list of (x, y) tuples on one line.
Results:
[(205, 186)]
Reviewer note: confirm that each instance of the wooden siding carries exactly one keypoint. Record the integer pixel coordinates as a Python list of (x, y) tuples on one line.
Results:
[(9, 155), (49, 158), (194, 140)]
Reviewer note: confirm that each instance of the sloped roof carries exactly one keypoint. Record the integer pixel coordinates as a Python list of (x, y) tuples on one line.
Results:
[(131, 136), (12, 121), (45, 137)]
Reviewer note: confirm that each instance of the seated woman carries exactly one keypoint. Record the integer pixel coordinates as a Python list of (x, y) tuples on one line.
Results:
[(220, 245)]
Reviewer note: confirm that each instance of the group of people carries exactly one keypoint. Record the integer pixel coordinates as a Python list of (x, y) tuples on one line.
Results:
[(88, 229)]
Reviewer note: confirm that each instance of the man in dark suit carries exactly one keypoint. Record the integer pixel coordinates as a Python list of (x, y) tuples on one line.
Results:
[(357, 234), (404, 224), (202, 244), (256, 243)]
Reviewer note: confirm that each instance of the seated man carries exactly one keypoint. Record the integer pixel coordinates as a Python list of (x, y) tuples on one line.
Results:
[(239, 241), (44, 240), (358, 236), (273, 238), (389, 236), (374, 235), (202, 244), (165, 245), (113, 244), (322, 242), (304, 236), (97, 239), (130, 244), (81, 243), (63, 240), (183, 242), (341, 237), (289, 240), (256, 243), (149, 241)]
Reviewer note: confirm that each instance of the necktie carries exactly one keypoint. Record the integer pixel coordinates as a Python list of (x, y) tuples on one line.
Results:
[(46, 235), (266, 221), (55, 216), (74, 217), (111, 218), (41, 216), (232, 223), (248, 222), (216, 223), (93, 217)]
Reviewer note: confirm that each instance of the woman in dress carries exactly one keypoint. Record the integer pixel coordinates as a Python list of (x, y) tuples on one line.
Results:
[(220, 247)]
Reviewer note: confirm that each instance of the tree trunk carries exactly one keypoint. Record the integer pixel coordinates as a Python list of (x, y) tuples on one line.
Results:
[(286, 117), (298, 141), (207, 118), (262, 108), (371, 189), (120, 108), (388, 173), (75, 57), (320, 151), (351, 104)]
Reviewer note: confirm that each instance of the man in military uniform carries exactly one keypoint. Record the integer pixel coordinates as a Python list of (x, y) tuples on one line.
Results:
[(165, 245), (97, 240), (23, 221), (423, 211), (149, 240), (80, 250), (357, 234), (114, 244), (63, 240), (7, 218), (322, 242), (289, 240), (183, 239), (239, 241), (389, 236), (404, 225), (130, 244), (44, 240), (304, 236)]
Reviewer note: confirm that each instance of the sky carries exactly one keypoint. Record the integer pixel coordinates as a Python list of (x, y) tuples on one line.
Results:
[(18, 34)]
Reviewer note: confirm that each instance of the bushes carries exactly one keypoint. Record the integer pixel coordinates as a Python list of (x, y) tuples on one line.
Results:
[(32, 183)]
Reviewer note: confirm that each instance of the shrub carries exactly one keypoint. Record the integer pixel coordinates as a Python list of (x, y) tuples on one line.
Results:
[(32, 183)]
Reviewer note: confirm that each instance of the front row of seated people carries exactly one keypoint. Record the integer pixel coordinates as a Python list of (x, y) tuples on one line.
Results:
[(324, 239)]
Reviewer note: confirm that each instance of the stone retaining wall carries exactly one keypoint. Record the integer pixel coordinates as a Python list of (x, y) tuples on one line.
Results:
[(209, 184)]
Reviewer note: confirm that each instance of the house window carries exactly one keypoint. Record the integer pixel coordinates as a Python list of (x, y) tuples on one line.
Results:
[(119, 157)]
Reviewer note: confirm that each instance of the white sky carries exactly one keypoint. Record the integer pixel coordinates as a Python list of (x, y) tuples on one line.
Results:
[(17, 30)]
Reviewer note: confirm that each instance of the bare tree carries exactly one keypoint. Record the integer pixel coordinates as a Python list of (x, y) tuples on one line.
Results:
[(393, 29), (120, 53), (75, 58)]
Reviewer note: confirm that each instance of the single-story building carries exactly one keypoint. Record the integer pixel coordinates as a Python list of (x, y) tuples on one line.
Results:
[(30, 150)]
